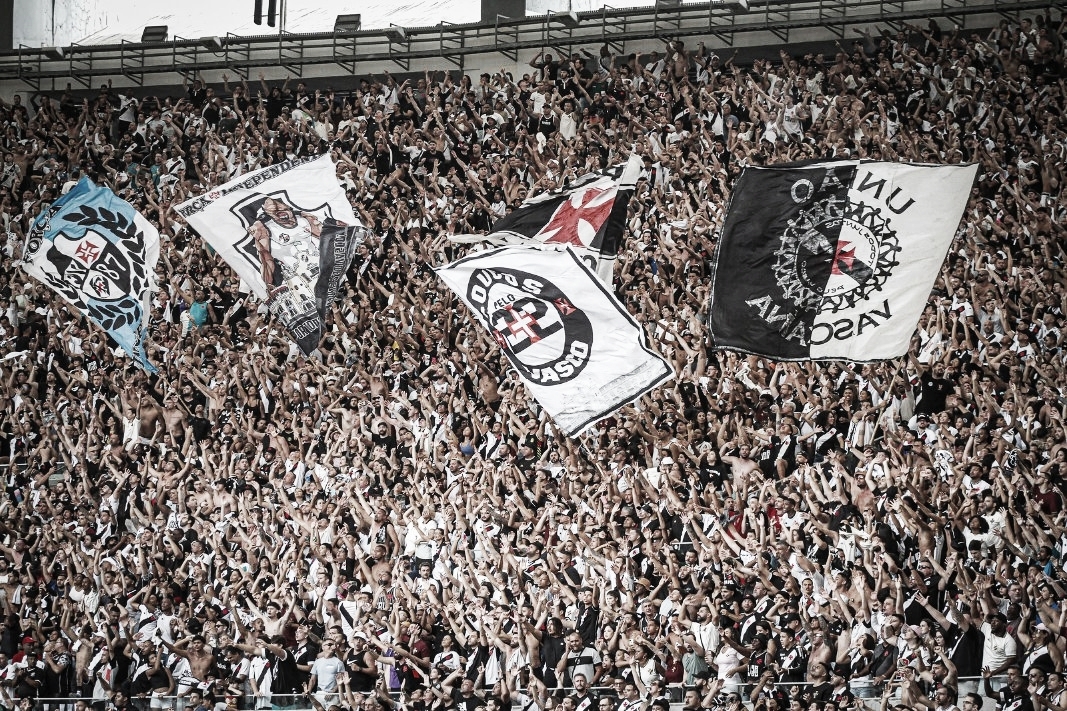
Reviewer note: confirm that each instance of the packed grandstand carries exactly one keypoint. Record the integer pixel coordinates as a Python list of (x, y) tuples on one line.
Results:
[(394, 522)]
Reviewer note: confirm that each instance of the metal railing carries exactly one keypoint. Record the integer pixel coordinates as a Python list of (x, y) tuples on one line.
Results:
[(326, 54), (299, 703)]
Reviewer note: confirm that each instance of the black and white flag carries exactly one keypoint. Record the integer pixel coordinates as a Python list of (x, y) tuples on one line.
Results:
[(97, 252), (580, 353), (589, 214), (833, 260), (289, 232)]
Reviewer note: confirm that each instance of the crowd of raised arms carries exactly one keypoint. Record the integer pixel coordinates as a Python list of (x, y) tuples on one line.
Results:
[(393, 522)]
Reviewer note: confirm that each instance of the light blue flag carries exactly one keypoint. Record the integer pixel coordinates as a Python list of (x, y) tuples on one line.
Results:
[(97, 252)]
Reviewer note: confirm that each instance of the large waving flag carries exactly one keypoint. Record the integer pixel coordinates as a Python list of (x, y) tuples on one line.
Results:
[(589, 214), (289, 232), (833, 260), (99, 254), (575, 346)]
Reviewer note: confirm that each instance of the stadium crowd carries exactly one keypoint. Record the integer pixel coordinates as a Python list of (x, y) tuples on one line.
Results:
[(393, 523)]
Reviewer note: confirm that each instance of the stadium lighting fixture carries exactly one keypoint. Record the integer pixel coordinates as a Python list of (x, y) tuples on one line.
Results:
[(155, 34), (212, 43), (348, 23)]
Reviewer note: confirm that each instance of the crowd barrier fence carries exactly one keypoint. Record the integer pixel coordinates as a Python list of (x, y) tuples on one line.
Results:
[(302, 703)]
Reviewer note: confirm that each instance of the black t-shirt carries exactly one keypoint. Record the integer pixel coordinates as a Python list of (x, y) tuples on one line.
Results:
[(197, 97), (966, 649), (30, 682), (62, 683), (287, 678), (201, 427), (359, 680), (387, 441), (793, 661), (586, 626), (465, 703), (550, 69), (1009, 701), (933, 393), (274, 104), (585, 702), (552, 650), (305, 656), (546, 125), (211, 114), (914, 613)]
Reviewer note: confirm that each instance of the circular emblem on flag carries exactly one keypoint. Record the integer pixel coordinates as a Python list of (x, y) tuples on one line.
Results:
[(33, 246), (546, 337), (854, 238)]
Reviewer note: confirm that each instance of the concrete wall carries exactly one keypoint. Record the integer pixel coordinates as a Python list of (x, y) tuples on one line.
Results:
[(49, 23)]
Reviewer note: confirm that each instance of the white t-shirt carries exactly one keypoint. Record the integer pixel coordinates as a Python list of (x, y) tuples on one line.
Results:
[(996, 650)]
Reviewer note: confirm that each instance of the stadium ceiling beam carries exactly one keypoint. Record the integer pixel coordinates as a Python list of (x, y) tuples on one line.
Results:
[(506, 37), (611, 24), (238, 56), (831, 13), (450, 44), (290, 53), (764, 22), (79, 67), (185, 63), (399, 46), (132, 61), (779, 31), (344, 52)]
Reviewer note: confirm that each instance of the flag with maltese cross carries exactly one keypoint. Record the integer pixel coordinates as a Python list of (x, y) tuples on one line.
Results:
[(588, 214), (97, 252)]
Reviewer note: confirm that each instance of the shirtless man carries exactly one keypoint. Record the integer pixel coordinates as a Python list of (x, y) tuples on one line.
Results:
[(173, 417), (678, 59), (200, 656), (201, 495), (381, 563), (274, 621), (744, 467)]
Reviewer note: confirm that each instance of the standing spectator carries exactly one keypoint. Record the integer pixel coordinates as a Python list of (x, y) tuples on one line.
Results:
[(323, 682)]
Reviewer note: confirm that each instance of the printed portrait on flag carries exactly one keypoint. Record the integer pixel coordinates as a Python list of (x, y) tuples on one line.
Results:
[(833, 260), (282, 240), (97, 252), (290, 233), (578, 350)]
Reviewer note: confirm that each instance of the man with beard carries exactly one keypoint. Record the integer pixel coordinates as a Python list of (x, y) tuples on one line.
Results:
[(999, 650), (584, 699), (284, 239), (702, 639)]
